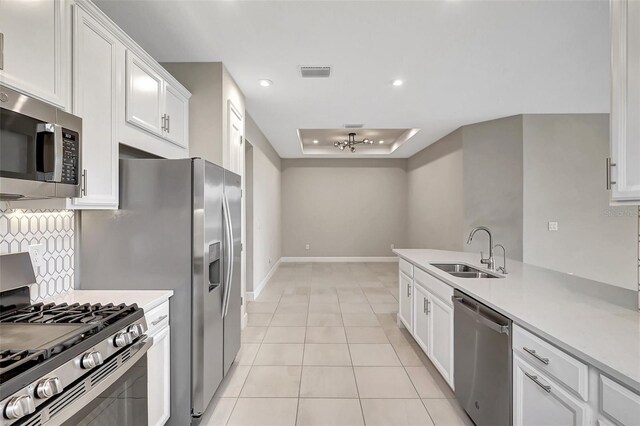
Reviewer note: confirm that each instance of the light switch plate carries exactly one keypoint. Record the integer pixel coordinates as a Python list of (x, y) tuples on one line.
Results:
[(553, 226), (36, 251), (307, 247)]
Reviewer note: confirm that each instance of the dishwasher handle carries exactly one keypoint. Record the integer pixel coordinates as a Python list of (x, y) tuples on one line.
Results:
[(500, 328)]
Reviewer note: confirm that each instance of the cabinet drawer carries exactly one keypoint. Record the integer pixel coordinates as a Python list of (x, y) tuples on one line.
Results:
[(434, 286), (553, 361), (619, 403), (406, 267), (157, 318)]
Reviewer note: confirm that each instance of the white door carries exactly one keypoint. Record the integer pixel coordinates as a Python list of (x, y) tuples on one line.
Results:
[(441, 337), (35, 48), (158, 379), (98, 63), (144, 96), (235, 134), (177, 110), (421, 317), (405, 301), (537, 401), (625, 101)]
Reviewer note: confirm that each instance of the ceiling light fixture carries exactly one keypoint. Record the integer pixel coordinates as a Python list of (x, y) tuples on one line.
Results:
[(351, 143), (265, 83), (315, 141), (397, 83), (381, 142)]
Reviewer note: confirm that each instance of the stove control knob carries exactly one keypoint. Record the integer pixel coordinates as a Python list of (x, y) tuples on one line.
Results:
[(19, 406), (136, 330), (122, 339), (91, 359), (49, 387)]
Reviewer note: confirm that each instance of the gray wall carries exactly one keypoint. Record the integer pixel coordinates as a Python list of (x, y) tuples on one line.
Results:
[(266, 203), (492, 182), (343, 207), (204, 81), (435, 195), (564, 182)]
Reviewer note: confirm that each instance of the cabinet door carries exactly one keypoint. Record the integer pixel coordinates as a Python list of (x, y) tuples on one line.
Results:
[(234, 145), (98, 57), (144, 96), (533, 405), (441, 337), (35, 48), (625, 101), (177, 109), (158, 382), (421, 317), (405, 301)]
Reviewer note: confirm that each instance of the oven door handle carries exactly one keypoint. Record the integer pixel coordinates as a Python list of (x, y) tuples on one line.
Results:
[(138, 349), (500, 328)]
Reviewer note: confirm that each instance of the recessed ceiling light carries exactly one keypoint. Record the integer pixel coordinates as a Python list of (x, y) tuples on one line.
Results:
[(381, 142), (397, 82), (265, 83), (315, 141)]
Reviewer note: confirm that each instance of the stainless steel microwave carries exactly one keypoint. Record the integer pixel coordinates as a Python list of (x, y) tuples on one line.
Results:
[(40, 149)]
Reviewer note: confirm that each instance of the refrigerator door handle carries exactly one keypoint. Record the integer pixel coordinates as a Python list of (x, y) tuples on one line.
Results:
[(229, 251)]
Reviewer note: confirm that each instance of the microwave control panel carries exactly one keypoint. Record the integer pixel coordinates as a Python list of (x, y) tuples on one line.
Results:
[(71, 150)]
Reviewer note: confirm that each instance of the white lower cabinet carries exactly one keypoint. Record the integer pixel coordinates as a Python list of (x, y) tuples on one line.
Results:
[(539, 401), (421, 323), (405, 301), (159, 366), (441, 336)]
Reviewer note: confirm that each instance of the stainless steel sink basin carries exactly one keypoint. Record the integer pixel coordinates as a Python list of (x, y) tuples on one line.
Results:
[(463, 271)]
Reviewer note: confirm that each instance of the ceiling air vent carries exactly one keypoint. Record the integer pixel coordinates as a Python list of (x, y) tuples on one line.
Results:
[(314, 72), (353, 126)]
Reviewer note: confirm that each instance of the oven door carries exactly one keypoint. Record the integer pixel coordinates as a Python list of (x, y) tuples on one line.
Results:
[(124, 403)]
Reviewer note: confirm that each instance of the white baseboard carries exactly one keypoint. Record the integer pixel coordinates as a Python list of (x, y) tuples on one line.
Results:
[(243, 322), (341, 259), (253, 295)]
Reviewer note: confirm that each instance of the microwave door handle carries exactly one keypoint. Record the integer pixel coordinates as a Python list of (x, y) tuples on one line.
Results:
[(58, 153)]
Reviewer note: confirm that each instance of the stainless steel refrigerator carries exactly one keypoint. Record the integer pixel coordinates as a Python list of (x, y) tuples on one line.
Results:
[(178, 228)]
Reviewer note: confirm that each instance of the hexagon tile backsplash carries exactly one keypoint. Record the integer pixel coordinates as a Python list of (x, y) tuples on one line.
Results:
[(55, 229)]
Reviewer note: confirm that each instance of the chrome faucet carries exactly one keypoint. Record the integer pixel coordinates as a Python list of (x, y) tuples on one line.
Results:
[(503, 268), (490, 261)]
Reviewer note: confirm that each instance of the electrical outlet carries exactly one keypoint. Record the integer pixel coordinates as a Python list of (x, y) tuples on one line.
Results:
[(307, 247), (553, 226), (36, 251), (393, 246)]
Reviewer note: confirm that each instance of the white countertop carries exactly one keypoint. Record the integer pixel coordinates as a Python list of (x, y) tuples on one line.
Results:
[(145, 299), (601, 333)]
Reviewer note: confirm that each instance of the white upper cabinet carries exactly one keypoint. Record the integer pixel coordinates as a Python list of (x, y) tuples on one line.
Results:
[(35, 56), (176, 127), (98, 56), (624, 171), (144, 97)]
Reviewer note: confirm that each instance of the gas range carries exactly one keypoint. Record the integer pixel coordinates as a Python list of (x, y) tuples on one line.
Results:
[(56, 358)]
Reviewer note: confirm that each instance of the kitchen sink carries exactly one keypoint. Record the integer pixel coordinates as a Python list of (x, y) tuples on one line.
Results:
[(463, 271)]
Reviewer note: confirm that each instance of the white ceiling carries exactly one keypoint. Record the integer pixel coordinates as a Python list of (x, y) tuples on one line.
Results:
[(462, 61)]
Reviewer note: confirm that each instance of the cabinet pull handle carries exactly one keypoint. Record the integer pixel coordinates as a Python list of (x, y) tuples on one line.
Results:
[(610, 181), (168, 123), (1, 51), (533, 353), (428, 306), (164, 122), (156, 322), (546, 388), (84, 182), (424, 305), (408, 290)]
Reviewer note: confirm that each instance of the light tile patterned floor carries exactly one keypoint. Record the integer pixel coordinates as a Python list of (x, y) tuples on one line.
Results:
[(322, 347)]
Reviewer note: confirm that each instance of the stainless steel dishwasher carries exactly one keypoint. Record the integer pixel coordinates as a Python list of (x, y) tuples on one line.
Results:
[(482, 361)]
